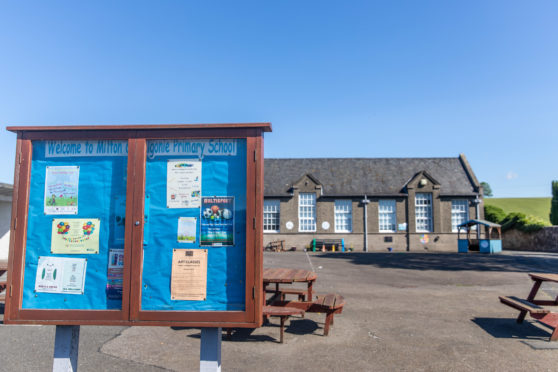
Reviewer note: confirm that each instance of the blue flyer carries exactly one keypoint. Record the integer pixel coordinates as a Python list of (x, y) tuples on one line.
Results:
[(217, 221)]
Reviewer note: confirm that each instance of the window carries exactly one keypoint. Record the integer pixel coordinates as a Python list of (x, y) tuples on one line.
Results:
[(307, 212), (386, 211), (343, 216), (459, 213), (271, 216), (423, 212)]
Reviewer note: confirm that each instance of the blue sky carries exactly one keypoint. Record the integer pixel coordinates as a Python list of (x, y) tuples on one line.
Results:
[(335, 79)]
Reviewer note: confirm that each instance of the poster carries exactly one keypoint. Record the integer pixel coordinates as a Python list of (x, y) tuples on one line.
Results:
[(189, 274), (75, 235), (61, 190), (115, 274), (187, 228), (60, 275), (184, 183), (217, 221)]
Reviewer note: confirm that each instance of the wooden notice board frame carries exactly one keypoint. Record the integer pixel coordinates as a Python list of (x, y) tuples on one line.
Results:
[(131, 312)]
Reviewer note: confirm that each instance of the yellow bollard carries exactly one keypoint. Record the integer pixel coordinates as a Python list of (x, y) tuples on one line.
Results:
[(333, 248)]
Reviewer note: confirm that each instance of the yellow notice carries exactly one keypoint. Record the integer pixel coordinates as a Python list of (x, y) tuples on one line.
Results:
[(75, 235), (189, 274)]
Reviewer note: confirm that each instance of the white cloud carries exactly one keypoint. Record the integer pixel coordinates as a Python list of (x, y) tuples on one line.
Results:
[(511, 175)]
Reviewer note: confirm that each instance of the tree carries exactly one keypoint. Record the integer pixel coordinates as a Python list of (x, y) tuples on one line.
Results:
[(554, 204), (486, 190)]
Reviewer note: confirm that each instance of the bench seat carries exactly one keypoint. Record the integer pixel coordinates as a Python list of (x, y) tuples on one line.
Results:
[(329, 304), (282, 292), (283, 312), (523, 305)]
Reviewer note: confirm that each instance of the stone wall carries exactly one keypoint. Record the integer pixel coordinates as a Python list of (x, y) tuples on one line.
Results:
[(544, 240)]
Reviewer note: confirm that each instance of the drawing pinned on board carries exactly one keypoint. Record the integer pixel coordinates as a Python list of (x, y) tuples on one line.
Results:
[(187, 229), (61, 190)]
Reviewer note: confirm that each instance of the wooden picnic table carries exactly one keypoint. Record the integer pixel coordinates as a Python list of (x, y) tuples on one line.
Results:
[(289, 276), (538, 279)]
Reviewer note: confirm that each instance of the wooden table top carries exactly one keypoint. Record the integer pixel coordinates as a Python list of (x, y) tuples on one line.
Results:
[(283, 275), (545, 277)]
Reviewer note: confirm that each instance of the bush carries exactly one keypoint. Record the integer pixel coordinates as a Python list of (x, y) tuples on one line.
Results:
[(494, 214), (522, 222)]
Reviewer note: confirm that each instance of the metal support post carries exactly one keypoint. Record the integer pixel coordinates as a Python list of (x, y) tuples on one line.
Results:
[(210, 350), (66, 345), (365, 202)]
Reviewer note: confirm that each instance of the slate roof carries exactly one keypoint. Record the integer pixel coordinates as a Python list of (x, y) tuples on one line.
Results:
[(370, 176)]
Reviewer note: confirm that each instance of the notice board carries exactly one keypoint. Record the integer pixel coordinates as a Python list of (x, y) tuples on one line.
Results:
[(148, 224)]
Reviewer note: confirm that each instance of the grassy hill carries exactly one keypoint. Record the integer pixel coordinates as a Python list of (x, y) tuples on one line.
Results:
[(539, 207)]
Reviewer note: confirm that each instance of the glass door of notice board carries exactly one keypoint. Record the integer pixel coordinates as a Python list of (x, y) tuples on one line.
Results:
[(76, 228), (194, 244)]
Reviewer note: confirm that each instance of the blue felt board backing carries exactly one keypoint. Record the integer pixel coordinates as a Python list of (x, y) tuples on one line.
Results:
[(226, 267), (102, 194)]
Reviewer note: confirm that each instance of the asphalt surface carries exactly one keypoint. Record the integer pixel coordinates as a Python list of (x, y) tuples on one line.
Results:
[(404, 312)]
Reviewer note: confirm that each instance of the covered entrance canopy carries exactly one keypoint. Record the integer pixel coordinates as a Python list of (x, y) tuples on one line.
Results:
[(491, 243)]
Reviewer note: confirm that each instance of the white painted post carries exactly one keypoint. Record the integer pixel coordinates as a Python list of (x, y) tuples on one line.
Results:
[(66, 345), (210, 350)]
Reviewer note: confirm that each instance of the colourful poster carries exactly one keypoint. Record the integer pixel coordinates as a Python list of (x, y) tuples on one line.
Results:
[(61, 190), (60, 275), (75, 235), (184, 183), (217, 221), (115, 274), (187, 229)]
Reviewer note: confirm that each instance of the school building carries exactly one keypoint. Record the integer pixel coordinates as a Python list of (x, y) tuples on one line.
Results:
[(374, 204)]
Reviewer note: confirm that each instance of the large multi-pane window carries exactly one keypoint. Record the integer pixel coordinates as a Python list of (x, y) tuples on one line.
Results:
[(459, 213), (271, 216), (386, 215), (423, 212), (306, 211), (343, 216)]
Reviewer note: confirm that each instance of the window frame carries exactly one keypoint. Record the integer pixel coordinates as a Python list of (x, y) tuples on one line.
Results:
[(311, 211), (428, 209), (342, 203), (454, 228), (392, 214), (275, 215)]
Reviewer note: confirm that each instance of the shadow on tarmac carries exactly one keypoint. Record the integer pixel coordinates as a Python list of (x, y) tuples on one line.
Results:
[(542, 263), (509, 328), (295, 327)]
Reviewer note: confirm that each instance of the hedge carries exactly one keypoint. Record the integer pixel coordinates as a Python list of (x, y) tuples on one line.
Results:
[(522, 222)]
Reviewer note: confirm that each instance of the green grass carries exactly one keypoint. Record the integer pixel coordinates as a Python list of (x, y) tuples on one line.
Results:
[(538, 207)]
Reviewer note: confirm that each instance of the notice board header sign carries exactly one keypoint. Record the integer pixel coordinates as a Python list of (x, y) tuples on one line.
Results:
[(142, 224)]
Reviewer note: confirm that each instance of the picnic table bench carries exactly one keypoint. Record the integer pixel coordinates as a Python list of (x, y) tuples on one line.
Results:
[(534, 307), (329, 304), (328, 244), (283, 312), (276, 246)]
